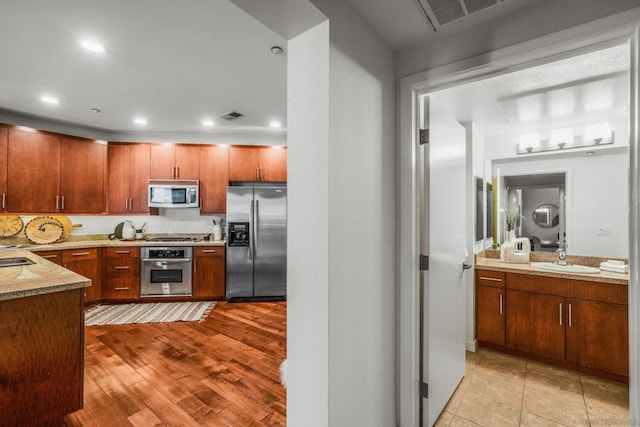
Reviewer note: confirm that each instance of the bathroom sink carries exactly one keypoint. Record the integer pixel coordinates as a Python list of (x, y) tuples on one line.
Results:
[(14, 262), (568, 268)]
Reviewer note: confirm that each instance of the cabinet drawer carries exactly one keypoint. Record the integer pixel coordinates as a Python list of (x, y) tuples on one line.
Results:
[(122, 252), (122, 269), (70, 255), (494, 279), (208, 251), (53, 256)]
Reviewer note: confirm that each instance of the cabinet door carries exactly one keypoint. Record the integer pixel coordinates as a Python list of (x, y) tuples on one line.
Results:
[(598, 335), (163, 157), (208, 272), (122, 273), (244, 163), (33, 179), (214, 178), (85, 262), (82, 175), (187, 162), (273, 164), (139, 166), (4, 132), (118, 178), (536, 323), (490, 318)]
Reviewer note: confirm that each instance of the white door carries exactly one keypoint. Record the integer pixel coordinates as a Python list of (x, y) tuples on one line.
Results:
[(443, 230)]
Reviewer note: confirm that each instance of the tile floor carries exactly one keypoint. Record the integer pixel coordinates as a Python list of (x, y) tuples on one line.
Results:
[(502, 390)]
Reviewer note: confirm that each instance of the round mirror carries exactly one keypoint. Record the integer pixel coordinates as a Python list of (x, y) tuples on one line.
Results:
[(547, 215)]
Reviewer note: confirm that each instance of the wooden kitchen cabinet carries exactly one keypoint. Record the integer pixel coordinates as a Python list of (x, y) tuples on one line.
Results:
[(53, 256), (209, 272), (86, 262), (535, 324), (175, 161), (54, 173), (257, 164), (122, 273), (129, 169), (490, 307), (4, 140), (214, 178), (598, 335)]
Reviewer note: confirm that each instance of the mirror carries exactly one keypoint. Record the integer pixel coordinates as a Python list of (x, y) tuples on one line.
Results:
[(489, 210), (479, 208), (547, 215)]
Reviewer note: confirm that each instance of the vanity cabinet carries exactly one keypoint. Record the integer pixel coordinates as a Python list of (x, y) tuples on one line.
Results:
[(129, 169), (214, 178), (4, 135), (575, 323), (490, 307), (175, 161), (122, 273), (209, 272)]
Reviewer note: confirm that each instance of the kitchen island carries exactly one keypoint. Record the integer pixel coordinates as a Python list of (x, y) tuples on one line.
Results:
[(41, 341)]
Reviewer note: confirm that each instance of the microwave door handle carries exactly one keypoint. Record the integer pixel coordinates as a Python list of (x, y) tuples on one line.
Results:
[(251, 232)]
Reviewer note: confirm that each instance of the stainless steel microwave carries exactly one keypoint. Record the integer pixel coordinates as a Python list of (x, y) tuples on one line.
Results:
[(173, 194)]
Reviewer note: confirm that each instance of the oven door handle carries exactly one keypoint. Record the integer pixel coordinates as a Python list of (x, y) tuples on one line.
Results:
[(167, 260)]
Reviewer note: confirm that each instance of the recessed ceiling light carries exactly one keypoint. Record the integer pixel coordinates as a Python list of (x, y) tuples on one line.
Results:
[(49, 99), (92, 46), (276, 50), (96, 110), (207, 122), (140, 121), (275, 124)]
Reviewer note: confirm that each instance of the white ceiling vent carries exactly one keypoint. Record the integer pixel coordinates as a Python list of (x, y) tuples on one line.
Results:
[(442, 12), (232, 115)]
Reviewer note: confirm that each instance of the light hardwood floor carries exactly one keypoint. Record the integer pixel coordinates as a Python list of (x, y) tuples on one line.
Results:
[(223, 371), (503, 390)]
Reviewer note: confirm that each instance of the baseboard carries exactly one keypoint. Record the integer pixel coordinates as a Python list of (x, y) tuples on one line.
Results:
[(471, 345)]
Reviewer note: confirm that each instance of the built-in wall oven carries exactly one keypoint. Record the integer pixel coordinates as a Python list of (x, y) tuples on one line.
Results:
[(165, 271)]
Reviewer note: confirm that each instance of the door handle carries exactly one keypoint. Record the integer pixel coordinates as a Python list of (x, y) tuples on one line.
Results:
[(251, 236), (466, 266)]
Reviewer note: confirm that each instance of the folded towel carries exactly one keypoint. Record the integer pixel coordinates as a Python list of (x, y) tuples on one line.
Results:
[(614, 262), (618, 269)]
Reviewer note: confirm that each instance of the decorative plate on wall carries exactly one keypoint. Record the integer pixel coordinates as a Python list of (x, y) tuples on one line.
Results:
[(10, 225)]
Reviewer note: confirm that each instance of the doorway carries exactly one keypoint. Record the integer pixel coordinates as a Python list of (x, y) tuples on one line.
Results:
[(427, 83)]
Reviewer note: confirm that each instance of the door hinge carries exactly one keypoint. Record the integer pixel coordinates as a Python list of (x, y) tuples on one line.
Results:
[(424, 262), (424, 390), (424, 136)]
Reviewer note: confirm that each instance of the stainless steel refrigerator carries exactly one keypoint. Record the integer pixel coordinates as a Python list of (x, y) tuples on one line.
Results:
[(256, 242)]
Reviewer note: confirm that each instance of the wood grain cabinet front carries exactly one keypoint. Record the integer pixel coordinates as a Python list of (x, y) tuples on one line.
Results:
[(209, 272), (490, 307), (129, 171), (122, 273), (267, 164), (86, 262), (175, 161), (214, 178), (4, 140)]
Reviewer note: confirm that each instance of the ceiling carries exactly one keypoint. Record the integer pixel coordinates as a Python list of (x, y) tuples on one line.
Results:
[(171, 63)]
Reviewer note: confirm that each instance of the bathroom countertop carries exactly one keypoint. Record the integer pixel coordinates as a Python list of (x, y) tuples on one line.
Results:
[(602, 277), (41, 277)]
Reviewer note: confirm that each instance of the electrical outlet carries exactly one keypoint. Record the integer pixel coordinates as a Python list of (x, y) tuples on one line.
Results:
[(602, 231)]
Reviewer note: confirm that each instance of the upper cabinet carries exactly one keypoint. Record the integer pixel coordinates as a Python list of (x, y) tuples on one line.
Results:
[(258, 164), (53, 173), (129, 168), (214, 177), (3, 167), (173, 161)]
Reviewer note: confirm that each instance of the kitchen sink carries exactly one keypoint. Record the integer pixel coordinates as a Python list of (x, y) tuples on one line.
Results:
[(565, 268), (15, 262)]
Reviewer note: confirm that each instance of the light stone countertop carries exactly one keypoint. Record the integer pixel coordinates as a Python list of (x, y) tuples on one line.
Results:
[(42, 277), (602, 277), (106, 243)]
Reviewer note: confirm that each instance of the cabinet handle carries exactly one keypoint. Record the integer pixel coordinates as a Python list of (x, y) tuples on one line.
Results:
[(49, 256), (4, 200), (500, 303), (492, 279), (569, 315), (257, 174), (130, 204), (62, 203), (261, 173), (123, 252), (208, 251), (118, 267), (177, 171), (121, 289), (195, 265), (80, 253), (57, 203), (560, 311), (126, 204)]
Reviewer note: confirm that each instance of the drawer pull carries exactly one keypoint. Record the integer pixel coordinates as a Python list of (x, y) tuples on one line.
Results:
[(49, 256), (560, 305), (119, 267), (80, 253), (501, 304), (121, 289), (569, 315), (492, 279), (209, 251), (123, 252)]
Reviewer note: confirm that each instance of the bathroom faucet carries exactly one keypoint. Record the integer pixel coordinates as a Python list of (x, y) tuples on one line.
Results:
[(562, 257)]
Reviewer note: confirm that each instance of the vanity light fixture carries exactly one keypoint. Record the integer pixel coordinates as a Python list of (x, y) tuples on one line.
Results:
[(598, 132), (561, 137), (529, 141)]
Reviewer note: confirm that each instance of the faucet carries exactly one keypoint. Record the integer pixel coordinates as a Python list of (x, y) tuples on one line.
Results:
[(562, 257)]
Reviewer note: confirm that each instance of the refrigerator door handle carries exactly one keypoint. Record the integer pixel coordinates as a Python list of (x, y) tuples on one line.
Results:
[(251, 237), (255, 228)]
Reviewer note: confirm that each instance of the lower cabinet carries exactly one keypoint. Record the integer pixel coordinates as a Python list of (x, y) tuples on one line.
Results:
[(578, 323), (86, 262), (209, 272), (122, 273)]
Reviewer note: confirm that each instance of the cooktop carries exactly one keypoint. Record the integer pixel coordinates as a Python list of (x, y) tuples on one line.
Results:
[(173, 239)]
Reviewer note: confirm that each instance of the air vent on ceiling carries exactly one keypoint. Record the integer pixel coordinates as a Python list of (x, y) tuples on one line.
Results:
[(232, 115), (442, 12)]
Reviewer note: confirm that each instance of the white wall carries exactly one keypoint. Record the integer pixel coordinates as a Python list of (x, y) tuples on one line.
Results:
[(596, 196)]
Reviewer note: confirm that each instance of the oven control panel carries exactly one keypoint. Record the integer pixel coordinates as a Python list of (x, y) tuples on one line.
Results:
[(238, 234), (167, 253)]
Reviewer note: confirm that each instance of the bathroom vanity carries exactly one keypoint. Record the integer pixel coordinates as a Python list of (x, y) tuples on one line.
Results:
[(576, 321)]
